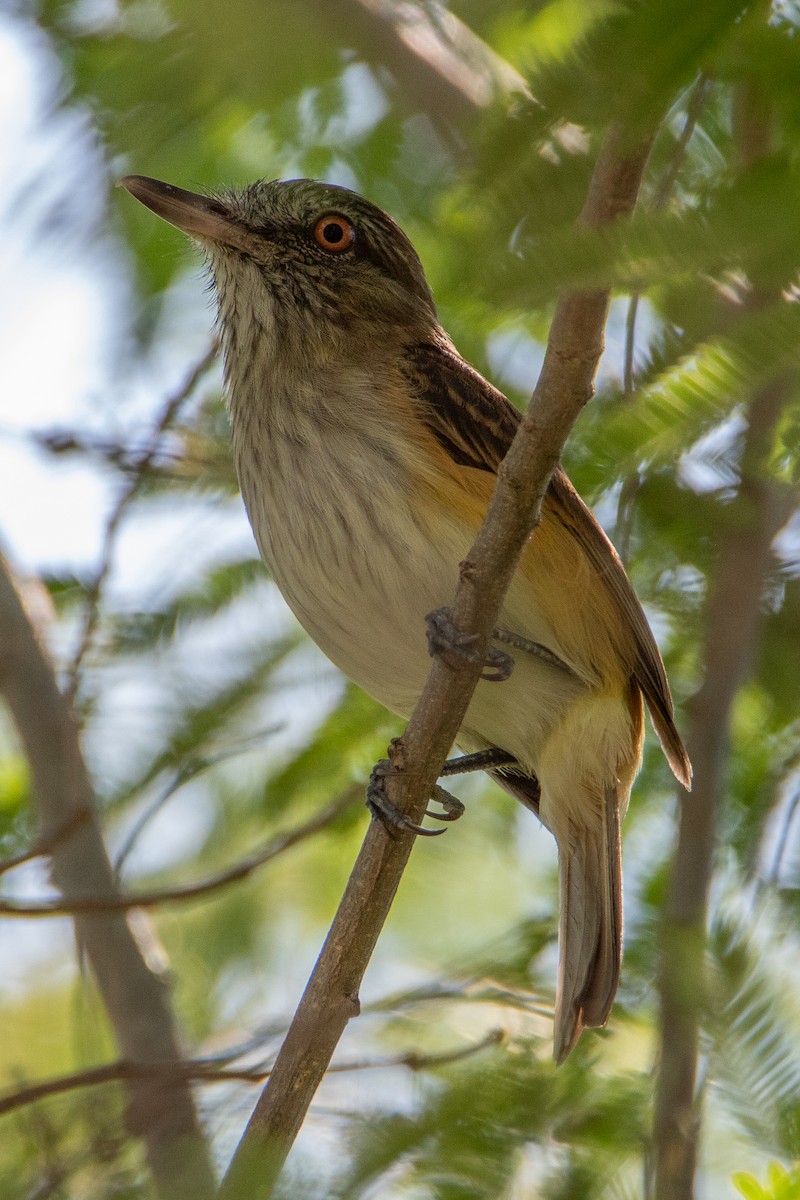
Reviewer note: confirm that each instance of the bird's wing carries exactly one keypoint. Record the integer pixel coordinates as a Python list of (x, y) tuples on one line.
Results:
[(469, 418), (567, 507), (475, 424)]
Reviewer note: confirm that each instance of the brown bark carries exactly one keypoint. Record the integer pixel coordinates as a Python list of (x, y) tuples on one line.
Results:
[(135, 998), (733, 619), (732, 623)]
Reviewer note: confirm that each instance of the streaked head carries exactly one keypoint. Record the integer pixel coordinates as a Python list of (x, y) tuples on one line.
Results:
[(301, 256)]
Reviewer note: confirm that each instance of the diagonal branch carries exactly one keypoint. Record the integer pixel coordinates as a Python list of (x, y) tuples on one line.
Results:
[(135, 998), (331, 997)]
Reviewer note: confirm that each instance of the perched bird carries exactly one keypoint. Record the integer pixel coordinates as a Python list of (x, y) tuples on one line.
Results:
[(366, 450)]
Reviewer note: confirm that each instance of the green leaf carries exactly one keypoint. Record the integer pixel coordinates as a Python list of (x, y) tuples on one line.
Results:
[(781, 1184)]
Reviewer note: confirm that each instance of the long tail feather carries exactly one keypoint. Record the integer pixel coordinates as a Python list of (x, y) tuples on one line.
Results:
[(590, 926)]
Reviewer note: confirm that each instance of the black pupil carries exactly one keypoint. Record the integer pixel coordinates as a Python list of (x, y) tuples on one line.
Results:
[(333, 232)]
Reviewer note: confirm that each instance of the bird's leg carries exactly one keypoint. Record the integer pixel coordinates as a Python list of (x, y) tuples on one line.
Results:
[(444, 639), (479, 760), (382, 808), (536, 649)]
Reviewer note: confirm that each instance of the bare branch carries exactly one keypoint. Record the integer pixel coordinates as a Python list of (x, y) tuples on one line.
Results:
[(138, 474), (188, 891), (209, 1071), (733, 620), (135, 998), (732, 623), (331, 996)]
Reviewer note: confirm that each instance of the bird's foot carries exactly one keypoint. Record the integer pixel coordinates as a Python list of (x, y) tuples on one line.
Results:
[(479, 760), (444, 640), (393, 820), (535, 649)]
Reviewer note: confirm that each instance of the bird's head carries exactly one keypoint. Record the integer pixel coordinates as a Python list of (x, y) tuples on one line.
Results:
[(304, 261)]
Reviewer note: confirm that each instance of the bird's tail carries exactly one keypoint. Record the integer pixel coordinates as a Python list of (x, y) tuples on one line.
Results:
[(590, 924)]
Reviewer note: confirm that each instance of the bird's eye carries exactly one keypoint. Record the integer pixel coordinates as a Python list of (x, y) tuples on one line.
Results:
[(334, 233)]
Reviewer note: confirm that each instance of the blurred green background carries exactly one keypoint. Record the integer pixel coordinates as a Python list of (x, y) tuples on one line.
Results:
[(211, 724)]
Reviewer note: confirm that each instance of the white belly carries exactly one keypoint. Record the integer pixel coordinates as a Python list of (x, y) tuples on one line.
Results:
[(360, 574)]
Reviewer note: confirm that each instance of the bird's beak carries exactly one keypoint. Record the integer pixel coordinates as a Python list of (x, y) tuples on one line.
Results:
[(201, 217)]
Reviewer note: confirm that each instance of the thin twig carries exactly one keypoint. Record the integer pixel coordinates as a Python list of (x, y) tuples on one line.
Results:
[(186, 772), (661, 194), (94, 591), (208, 1071), (45, 844), (124, 457), (188, 891), (331, 997), (773, 874), (630, 485), (628, 377), (477, 991), (694, 108)]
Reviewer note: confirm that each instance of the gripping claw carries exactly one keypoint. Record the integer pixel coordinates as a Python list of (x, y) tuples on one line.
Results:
[(387, 813), (453, 808), (445, 640)]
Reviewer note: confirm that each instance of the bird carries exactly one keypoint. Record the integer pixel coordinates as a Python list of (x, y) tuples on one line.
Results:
[(366, 450)]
